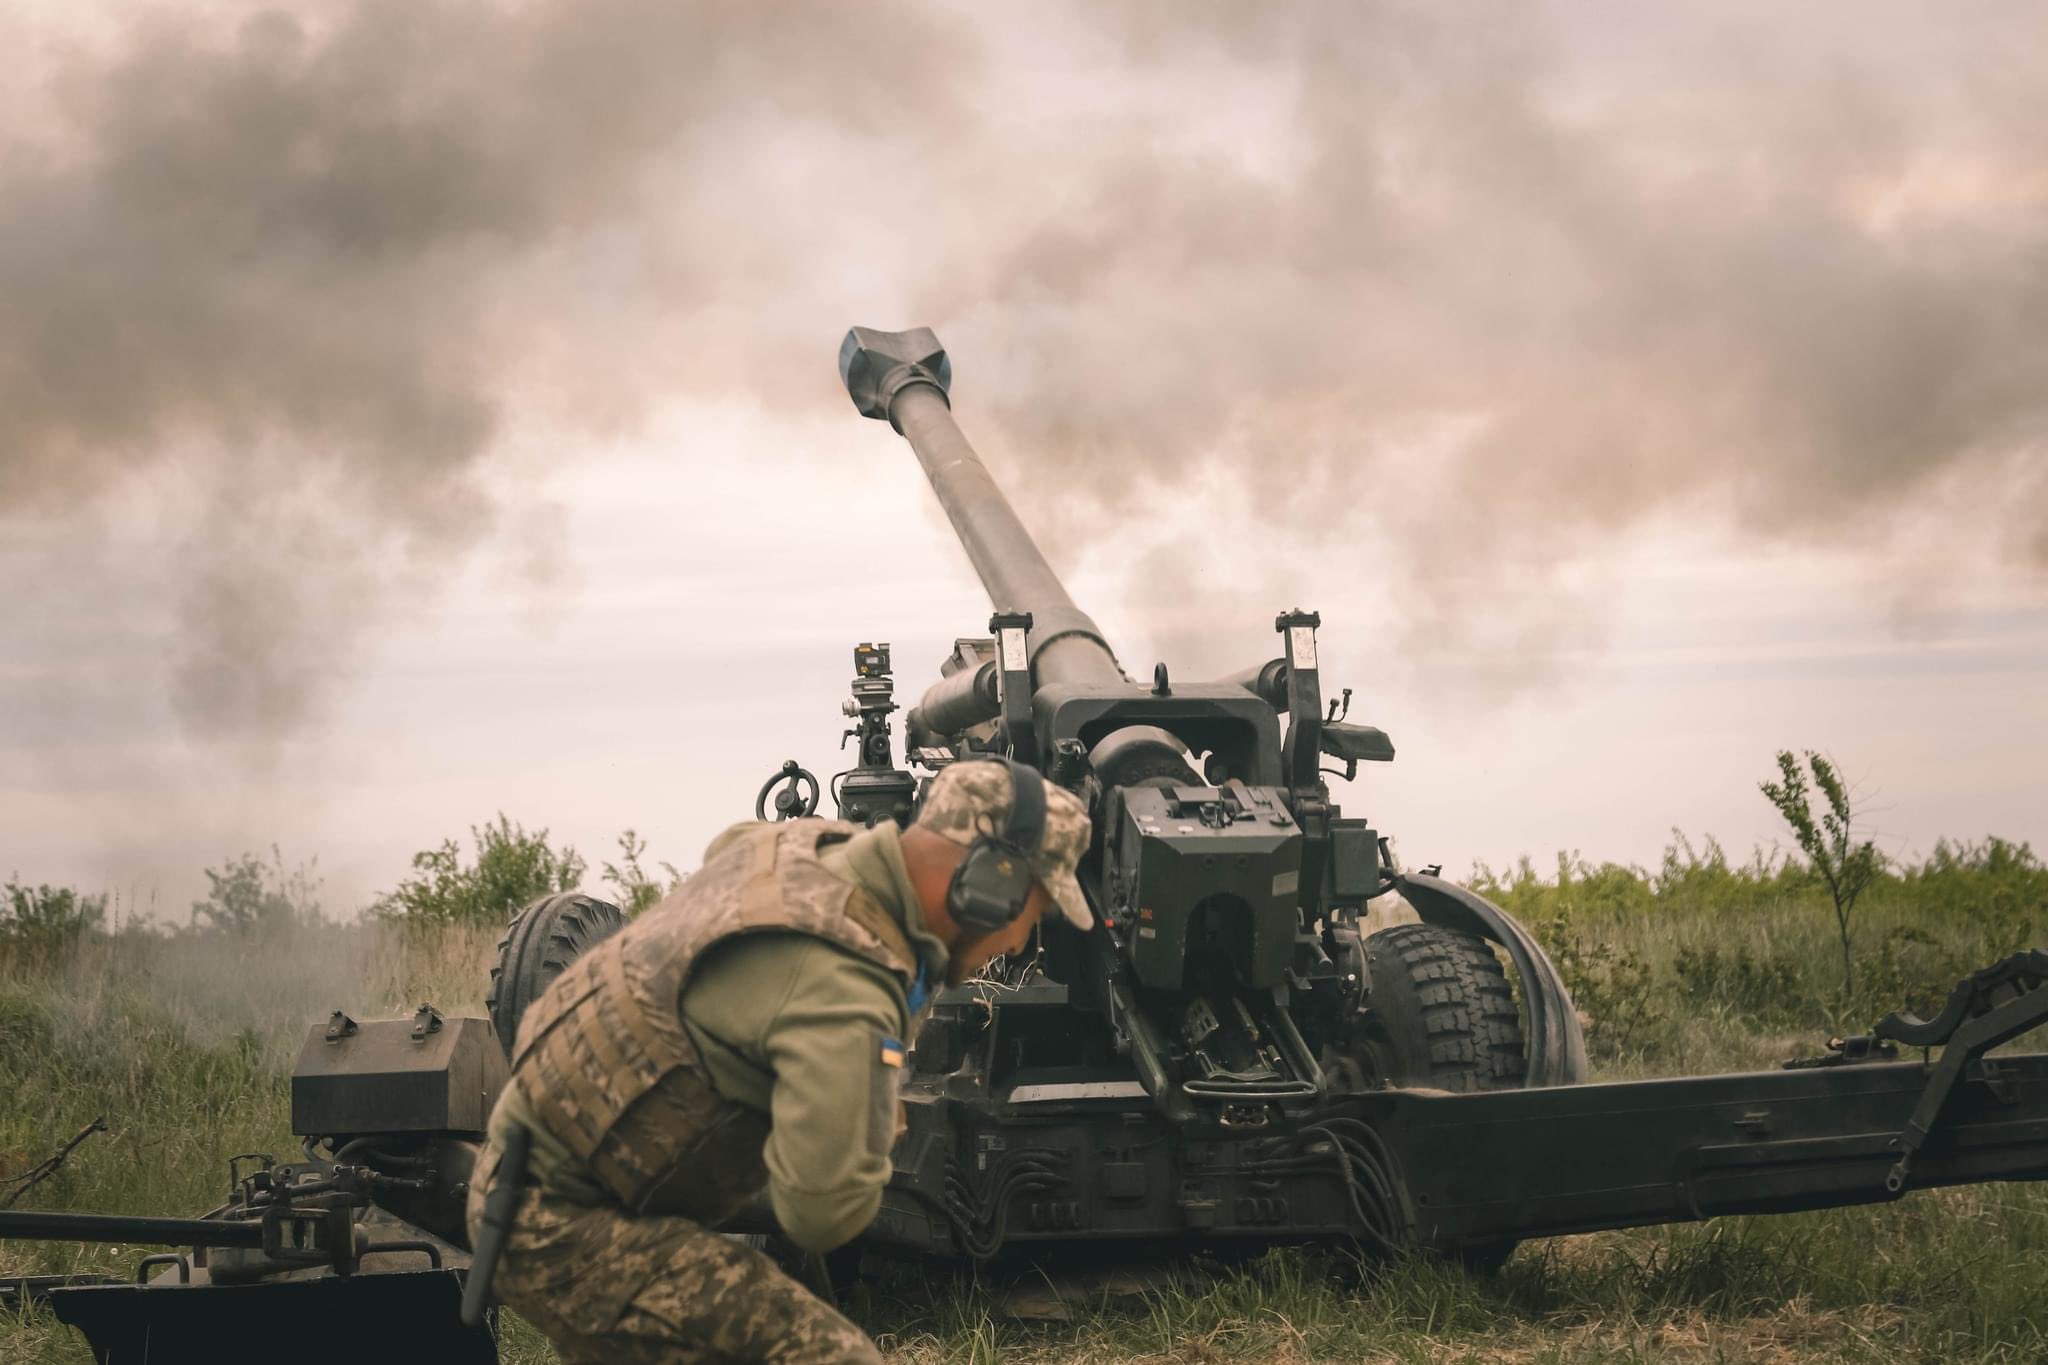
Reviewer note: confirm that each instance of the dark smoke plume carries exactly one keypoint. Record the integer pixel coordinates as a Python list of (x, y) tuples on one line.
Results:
[(324, 262)]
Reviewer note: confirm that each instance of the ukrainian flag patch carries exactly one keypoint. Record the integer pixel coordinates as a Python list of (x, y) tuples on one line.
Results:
[(892, 1052)]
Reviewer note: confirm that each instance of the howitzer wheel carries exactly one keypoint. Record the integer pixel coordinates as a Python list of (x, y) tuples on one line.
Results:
[(539, 943), (1440, 1015)]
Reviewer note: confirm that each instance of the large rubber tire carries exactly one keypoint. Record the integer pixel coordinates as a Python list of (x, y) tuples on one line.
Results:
[(1441, 1015), (539, 943)]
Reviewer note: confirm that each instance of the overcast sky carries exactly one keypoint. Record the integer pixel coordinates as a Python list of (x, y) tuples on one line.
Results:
[(414, 411)]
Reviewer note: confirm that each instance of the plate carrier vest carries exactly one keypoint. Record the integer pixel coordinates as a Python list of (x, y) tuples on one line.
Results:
[(606, 1062)]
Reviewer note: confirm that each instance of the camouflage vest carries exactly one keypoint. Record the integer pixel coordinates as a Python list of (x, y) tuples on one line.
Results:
[(606, 1062)]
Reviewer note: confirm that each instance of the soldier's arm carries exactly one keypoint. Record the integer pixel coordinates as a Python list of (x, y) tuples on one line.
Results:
[(834, 1097)]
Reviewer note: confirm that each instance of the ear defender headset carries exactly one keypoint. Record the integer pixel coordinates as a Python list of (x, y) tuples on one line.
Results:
[(992, 883)]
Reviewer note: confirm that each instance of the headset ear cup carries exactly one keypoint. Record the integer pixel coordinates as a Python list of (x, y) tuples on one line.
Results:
[(990, 887), (992, 884)]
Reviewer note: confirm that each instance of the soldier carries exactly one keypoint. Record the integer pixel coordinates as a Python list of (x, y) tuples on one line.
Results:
[(748, 1032)]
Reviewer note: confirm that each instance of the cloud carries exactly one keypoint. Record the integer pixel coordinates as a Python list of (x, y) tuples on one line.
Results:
[(322, 263), (1508, 286), (1448, 297)]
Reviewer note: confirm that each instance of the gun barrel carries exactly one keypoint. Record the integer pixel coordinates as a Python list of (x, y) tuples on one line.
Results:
[(1268, 682), (904, 377), (953, 703)]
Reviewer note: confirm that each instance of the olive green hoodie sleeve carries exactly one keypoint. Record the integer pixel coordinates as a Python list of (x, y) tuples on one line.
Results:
[(798, 1027)]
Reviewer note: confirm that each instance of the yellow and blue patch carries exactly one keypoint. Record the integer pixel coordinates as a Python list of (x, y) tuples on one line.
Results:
[(892, 1052)]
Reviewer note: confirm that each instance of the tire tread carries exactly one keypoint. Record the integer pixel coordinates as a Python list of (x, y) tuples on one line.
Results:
[(538, 944), (1458, 1001)]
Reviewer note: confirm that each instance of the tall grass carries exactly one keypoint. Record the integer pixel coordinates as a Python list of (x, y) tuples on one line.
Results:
[(183, 1043), (1708, 964)]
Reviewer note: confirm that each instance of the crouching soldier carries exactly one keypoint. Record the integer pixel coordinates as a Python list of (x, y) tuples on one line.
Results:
[(748, 1032)]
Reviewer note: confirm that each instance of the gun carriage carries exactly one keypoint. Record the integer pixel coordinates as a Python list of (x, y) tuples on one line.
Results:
[(1230, 1056)]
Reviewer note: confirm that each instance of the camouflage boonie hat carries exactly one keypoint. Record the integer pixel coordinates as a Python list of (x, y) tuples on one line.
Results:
[(974, 798)]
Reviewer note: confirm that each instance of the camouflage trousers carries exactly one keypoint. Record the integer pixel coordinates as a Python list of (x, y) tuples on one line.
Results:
[(605, 1285)]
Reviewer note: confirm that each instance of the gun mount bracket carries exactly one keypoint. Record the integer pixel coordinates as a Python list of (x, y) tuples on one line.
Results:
[(1985, 1009), (1011, 631), (1973, 996)]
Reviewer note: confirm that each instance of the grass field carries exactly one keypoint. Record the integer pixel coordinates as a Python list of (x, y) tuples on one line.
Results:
[(182, 1042)]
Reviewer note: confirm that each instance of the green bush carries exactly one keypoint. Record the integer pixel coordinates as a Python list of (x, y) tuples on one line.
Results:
[(1764, 986), (27, 1026), (1700, 880), (1914, 970), (511, 867), (1581, 890), (1612, 985), (47, 919), (637, 889), (1997, 885), (248, 895), (1651, 956), (1845, 864)]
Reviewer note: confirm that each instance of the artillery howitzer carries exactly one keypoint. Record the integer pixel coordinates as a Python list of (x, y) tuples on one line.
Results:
[(1227, 1057)]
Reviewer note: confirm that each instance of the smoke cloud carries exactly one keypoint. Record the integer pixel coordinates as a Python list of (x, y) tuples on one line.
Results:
[(312, 269), (1496, 288), (1447, 294)]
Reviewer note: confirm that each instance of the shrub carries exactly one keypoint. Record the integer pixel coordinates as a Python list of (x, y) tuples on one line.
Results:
[(1611, 984), (1997, 885), (1612, 987), (637, 890), (47, 919), (248, 895), (1699, 879), (1838, 859), (1912, 970), (511, 868), (1767, 987)]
